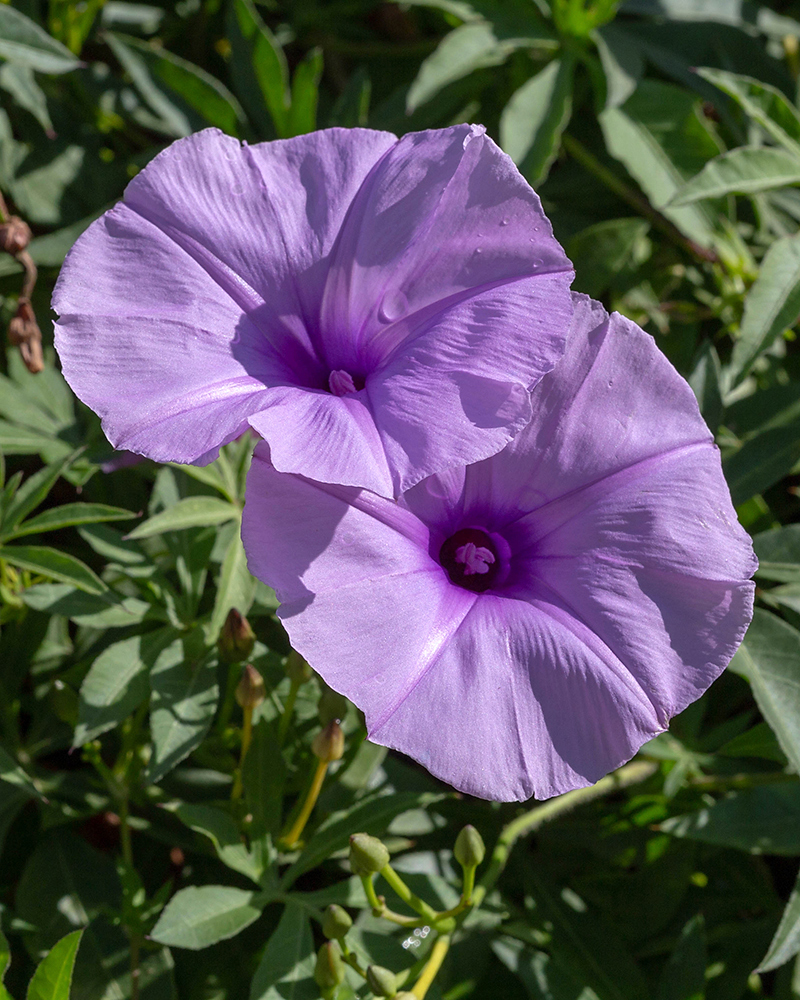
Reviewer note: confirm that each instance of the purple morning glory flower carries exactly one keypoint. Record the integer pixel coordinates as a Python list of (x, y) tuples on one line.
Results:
[(523, 625), (376, 308)]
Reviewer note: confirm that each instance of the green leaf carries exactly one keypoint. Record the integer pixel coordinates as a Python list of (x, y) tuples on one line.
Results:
[(622, 63), (192, 512), (772, 305), (786, 943), (32, 492), (769, 658), (53, 976), (762, 820), (19, 81), (69, 514), (762, 461), (54, 564), (368, 815), (684, 976), (5, 956), (264, 777), (661, 139), (544, 977), (222, 831), (64, 884), (705, 380), (117, 682), (201, 96), (23, 41), (533, 120), (106, 610), (778, 554), (199, 916), (472, 46), (764, 104), (585, 943), (601, 251), (236, 587), (185, 695), (747, 170), (305, 94), (14, 774), (286, 969), (258, 68)]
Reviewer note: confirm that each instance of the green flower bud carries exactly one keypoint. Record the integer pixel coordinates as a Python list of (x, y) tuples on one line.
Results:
[(332, 705), (469, 848), (329, 968), (237, 639), (336, 922), (297, 670), (250, 690), (382, 982), (367, 854), (328, 744), (405, 995)]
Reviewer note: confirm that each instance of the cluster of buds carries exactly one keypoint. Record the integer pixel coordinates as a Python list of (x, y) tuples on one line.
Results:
[(23, 330)]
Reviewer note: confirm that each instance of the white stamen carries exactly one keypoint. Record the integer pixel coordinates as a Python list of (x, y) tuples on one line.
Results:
[(476, 558), (341, 382)]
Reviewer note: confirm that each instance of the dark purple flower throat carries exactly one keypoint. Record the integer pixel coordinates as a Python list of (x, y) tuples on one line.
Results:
[(471, 559)]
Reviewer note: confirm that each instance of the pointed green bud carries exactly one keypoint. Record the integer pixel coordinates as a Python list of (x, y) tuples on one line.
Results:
[(328, 744), (469, 848), (329, 968), (405, 995), (237, 639), (297, 670), (367, 854), (250, 690), (336, 922), (382, 982), (332, 705)]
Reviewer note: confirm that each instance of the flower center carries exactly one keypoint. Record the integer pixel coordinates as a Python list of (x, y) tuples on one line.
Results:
[(471, 559), (342, 383)]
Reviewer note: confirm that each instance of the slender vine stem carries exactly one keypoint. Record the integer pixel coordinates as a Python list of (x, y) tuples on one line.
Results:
[(440, 948), (290, 839), (528, 822), (637, 201)]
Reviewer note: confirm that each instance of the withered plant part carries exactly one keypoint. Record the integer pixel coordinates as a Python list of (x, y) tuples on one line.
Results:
[(23, 330)]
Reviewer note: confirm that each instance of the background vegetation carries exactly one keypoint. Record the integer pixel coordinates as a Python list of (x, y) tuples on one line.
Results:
[(664, 139)]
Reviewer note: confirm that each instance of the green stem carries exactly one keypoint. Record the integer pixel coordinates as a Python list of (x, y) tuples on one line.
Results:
[(402, 890), (630, 774), (350, 957), (468, 885), (432, 966), (288, 709), (247, 737), (290, 839), (637, 201)]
